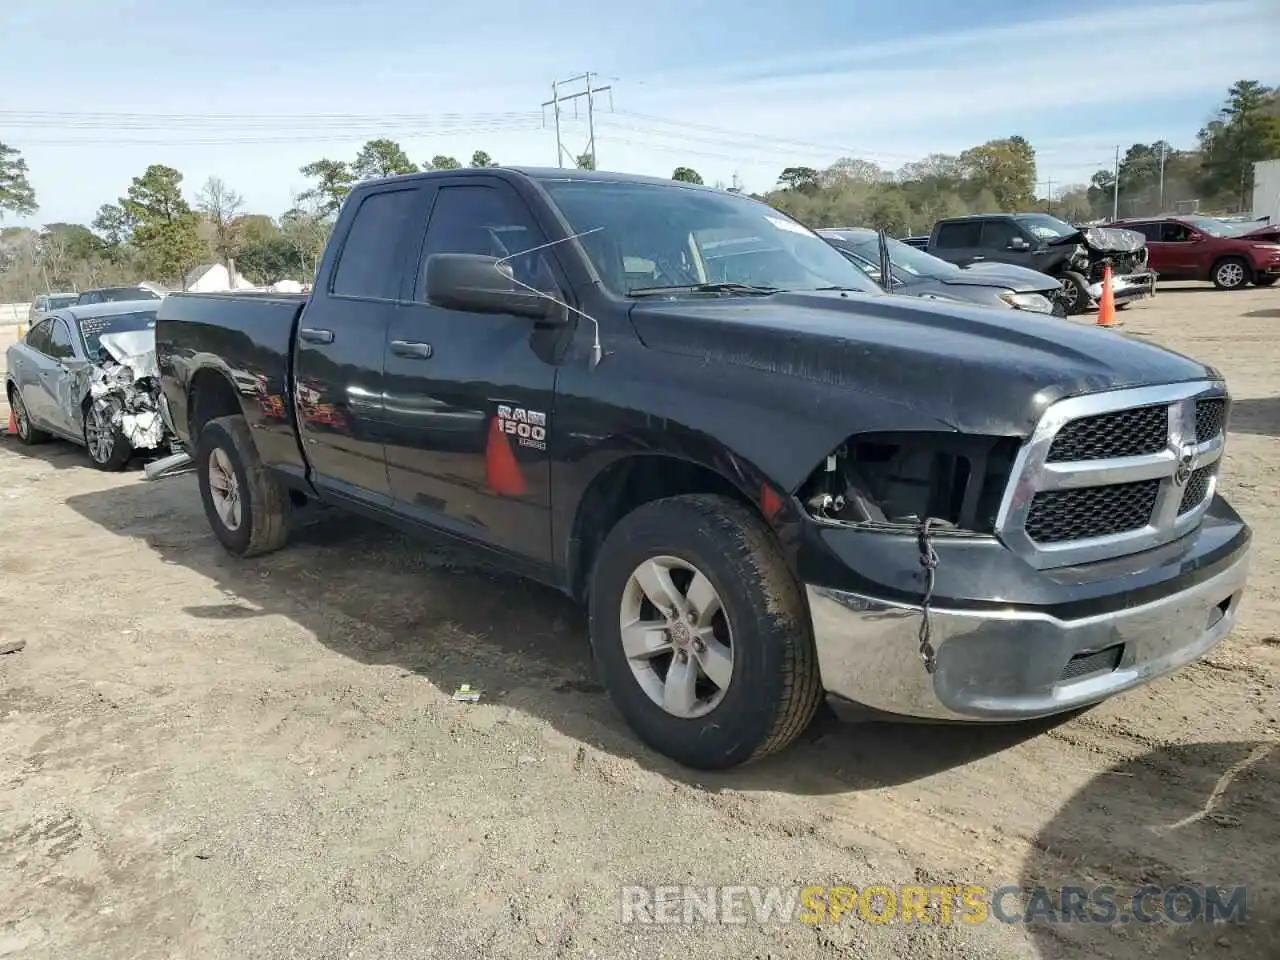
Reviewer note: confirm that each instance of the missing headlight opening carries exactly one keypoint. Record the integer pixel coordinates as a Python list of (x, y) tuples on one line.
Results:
[(898, 479)]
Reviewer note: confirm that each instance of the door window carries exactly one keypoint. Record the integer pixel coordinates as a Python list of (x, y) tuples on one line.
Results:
[(1174, 232), (490, 222), (370, 264), (38, 336), (963, 233), (997, 234), (60, 347)]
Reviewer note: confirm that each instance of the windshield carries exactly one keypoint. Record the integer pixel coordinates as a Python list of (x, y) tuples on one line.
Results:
[(1214, 228), (907, 261), (92, 328), (659, 235), (1043, 226)]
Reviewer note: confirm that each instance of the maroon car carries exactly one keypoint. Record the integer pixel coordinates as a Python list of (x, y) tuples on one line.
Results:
[(1201, 248)]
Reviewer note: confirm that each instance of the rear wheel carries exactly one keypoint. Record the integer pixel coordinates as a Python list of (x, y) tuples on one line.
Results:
[(108, 447), (27, 433), (1231, 274), (700, 632), (247, 508)]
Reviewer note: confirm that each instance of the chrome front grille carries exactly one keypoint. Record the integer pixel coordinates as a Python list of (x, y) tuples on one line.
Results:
[(1115, 473)]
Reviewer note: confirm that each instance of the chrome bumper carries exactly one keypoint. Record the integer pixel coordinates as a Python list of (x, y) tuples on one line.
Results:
[(1132, 286), (1016, 665)]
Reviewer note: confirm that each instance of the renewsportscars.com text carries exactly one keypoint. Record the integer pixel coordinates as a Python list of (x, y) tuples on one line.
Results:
[(688, 904)]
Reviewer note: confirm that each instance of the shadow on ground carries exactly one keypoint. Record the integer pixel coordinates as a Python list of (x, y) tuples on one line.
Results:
[(1195, 817), (64, 455), (1260, 416), (380, 597)]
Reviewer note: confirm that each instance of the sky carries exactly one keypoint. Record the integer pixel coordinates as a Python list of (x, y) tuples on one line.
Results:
[(96, 90)]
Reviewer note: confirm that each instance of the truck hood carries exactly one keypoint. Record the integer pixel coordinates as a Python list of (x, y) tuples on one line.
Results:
[(915, 364), (991, 273), (1104, 240)]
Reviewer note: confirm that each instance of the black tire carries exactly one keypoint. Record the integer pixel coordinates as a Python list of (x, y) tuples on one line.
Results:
[(1231, 273), (1075, 293), (121, 449), (263, 500), (1265, 281), (28, 435), (775, 686)]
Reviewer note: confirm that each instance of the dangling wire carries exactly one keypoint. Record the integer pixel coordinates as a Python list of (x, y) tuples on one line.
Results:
[(597, 352), (929, 561)]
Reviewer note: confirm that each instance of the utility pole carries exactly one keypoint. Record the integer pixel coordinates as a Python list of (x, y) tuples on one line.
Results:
[(1115, 194), (1162, 149), (555, 103), (589, 92)]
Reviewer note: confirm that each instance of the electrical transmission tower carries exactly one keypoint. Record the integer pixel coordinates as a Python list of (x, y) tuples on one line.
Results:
[(558, 98)]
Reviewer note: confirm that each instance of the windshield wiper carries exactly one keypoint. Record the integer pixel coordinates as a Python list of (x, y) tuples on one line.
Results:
[(746, 288)]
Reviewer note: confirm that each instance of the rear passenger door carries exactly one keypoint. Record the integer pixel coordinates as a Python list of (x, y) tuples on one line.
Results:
[(338, 377), (959, 242)]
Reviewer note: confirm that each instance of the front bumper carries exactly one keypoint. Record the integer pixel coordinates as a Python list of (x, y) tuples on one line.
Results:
[(1127, 288), (1014, 664)]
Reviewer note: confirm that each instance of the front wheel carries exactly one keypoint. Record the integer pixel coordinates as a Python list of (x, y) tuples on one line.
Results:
[(247, 508), (1231, 274), (108, 447), (700, 632), (1075, 293)]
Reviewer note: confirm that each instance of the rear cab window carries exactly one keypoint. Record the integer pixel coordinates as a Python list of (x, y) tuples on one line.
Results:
[(959, 234), (371, 262)]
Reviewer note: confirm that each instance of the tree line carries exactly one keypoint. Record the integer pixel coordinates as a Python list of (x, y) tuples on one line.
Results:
[(153, 232)]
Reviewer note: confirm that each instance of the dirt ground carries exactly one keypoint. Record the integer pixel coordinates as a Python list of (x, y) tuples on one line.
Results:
[(207, 758)]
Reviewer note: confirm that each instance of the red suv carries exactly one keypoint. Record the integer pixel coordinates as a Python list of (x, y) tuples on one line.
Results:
[(1201, 248)]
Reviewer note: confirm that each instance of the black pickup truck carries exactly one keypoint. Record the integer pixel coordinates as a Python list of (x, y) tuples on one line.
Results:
[(1074, 256), (768, 480)]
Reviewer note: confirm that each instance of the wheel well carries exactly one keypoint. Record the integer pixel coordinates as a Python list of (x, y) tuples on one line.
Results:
[(621, 488), (1248, 267), (212, 396)]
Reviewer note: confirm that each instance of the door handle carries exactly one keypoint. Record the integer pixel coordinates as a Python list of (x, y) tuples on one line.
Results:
[(315, 335), (413, 349)]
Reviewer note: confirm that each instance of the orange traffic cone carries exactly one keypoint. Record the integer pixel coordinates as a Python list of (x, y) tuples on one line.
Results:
[(500, 465), (13, 422), (1107, 309)]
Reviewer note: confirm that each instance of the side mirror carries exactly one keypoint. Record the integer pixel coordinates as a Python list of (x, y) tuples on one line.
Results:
[(477, 284), (1018, 243)]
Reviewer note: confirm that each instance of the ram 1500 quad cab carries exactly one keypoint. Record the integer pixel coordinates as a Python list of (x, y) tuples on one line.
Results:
[(766, 490)]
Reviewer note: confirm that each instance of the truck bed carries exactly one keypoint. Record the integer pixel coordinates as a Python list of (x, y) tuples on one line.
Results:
[(247, 339)]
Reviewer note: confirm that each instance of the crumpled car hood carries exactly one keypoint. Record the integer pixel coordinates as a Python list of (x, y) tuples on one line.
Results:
[(135, 349)]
